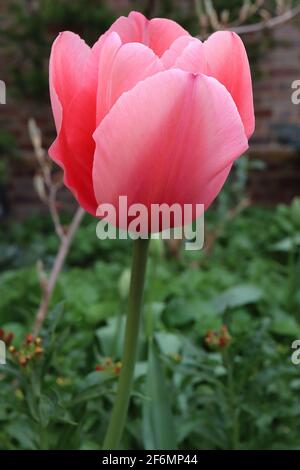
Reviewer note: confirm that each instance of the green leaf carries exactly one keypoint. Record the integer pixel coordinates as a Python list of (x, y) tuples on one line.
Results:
[(93, 386), (285, 325), (46, 410), (237, 296), (169, 343), (180, 312), (100, 311), (158, 425), (286, 244), (111, 336), (22, 431)]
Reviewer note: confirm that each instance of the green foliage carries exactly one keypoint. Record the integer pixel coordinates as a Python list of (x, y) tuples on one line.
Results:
[(35, 25), (158, 424), (243, 396)]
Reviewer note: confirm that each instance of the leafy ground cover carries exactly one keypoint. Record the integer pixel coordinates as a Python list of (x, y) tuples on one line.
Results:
[(197, 384)]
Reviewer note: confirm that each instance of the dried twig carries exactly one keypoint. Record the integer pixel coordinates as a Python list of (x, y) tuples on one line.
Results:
[(269, 24), (48, 284), (209, 18), (47, 188), (44, 183)]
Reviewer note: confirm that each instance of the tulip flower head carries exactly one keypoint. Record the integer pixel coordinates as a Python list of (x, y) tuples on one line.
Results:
[(149, 112)]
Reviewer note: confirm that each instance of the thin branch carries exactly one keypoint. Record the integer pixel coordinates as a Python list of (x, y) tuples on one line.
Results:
[(52, 187), (269, 24), (54, 212), (48, 287), (212, 14), (47, 189), (208, 16)]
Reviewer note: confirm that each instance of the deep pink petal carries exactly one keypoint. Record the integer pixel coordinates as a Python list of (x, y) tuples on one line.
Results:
[(73, 87), (68, 57), (171, 139)]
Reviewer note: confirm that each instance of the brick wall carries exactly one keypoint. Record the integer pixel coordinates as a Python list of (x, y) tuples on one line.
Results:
[(277, 135)]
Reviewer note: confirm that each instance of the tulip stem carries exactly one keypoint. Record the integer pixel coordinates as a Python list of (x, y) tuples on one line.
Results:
[(120, 408)]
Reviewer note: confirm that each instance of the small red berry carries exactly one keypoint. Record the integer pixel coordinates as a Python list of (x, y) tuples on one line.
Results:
[(8, 339), (29, 338)]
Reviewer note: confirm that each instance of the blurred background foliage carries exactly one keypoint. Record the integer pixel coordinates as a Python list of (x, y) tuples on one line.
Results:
[(35, 24), (237, 390), (214, 366)]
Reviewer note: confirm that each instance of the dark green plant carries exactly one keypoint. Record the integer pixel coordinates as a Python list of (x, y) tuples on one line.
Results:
[(35, 25)]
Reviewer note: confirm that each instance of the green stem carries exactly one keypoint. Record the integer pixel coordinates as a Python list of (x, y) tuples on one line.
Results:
[(119, 412)]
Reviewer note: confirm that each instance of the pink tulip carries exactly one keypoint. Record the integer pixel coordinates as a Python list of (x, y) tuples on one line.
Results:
[(149, 112)]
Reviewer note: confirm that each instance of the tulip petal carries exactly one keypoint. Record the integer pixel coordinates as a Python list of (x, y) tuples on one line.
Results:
[(158, 33), (170, 56), (73, 98), (223, 57), (68, 57), (162, 33), (121, 67), (131, 28), (171, 139), (110, 69), (228, 63)]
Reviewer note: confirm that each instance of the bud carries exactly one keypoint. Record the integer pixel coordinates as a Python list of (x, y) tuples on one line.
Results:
[(22, 361), (108, 362), (211, 338), (38, 341), (176, 357), (218, 340), (118, 367), (38, 350), (8, 339), (19, 394), (29, 338)]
